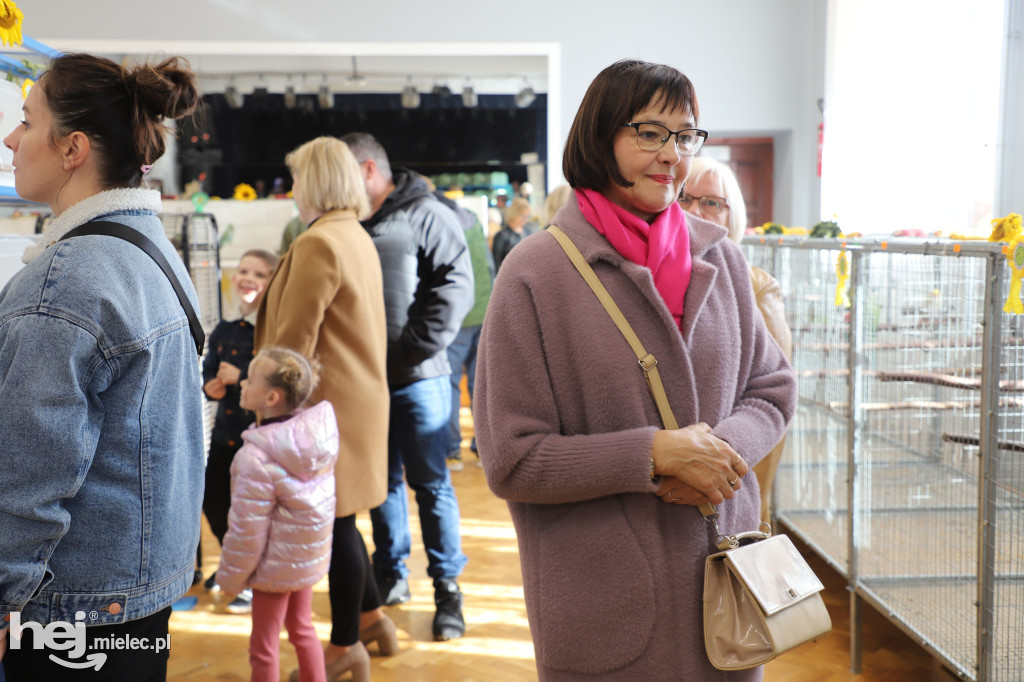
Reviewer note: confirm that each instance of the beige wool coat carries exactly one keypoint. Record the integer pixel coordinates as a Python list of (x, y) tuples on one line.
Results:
[(768, 295), (326, 300)]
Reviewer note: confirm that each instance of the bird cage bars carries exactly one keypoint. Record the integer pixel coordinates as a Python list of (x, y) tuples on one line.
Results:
[(195, 238), (904, 465)]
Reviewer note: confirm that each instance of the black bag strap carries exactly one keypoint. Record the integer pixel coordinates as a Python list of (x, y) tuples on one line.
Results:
[(112, 229)]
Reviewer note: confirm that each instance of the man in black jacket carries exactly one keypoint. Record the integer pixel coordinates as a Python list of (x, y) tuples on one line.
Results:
[(428, 289)]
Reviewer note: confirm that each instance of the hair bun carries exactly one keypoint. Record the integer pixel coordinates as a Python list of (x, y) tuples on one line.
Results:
[(168, 89)]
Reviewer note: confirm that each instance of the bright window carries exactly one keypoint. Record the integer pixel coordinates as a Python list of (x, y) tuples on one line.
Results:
[(911, 115)]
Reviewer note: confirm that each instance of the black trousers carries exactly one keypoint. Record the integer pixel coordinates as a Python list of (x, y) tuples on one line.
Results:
[(129, 653), (353, 589), (217, 496)]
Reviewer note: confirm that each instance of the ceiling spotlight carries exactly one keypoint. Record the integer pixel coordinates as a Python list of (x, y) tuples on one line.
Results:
[(324, 96), (441, 91), (289, 97), (525, 97), (469, 98), (410, 98), (355, 80), (233, 97), (260, 90)]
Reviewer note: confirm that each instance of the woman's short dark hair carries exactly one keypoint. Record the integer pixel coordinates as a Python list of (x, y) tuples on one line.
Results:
[(121, 110), (616, 95)]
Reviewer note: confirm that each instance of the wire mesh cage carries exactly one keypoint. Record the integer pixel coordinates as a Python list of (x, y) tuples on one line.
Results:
[(903, 464), (196, 240)]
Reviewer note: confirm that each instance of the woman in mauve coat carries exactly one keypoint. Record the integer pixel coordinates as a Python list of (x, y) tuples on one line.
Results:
[(326, 301), (604, 499)]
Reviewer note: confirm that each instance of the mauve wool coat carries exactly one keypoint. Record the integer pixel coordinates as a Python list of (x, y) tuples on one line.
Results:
[(613, 576), (326, 300)]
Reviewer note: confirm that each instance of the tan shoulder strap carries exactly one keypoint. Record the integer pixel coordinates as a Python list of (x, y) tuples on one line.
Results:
[(648, 363)]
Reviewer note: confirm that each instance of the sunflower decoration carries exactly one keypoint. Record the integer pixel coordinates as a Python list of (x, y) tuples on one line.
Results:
[(244, 192), (10, 23), (1006, 229)]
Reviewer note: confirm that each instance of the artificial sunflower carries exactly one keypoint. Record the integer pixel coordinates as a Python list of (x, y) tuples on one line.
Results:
[(1006, 229), (10, 23), (244, 192)]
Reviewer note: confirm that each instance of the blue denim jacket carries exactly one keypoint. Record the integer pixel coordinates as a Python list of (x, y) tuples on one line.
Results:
[(101, 459)]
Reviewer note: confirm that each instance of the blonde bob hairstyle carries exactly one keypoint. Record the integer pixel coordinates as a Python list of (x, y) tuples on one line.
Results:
[(702, 166), (330, 176)]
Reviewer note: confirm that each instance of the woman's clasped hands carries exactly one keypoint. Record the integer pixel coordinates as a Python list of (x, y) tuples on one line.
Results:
[(695, 466)]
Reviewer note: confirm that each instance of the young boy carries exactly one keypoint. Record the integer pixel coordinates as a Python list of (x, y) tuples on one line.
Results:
[(229, 353)]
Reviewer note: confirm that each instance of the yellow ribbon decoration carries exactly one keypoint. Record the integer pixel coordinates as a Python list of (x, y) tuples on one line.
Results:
[(1008, 229), (1015, 257), (842, 275)]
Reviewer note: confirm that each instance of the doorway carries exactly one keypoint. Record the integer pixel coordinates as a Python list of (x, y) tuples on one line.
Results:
[(752, 159)]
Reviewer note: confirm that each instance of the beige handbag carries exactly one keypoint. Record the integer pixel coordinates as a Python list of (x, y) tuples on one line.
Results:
[(760, 596)]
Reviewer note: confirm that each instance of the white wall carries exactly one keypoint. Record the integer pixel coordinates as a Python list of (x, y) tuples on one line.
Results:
[(756, 64)]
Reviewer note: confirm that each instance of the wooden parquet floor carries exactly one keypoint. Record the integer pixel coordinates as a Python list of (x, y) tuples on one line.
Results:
[(210, 645)]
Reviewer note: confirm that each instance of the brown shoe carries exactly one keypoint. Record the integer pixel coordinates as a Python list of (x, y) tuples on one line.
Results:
[(384, 633), (356, 660)]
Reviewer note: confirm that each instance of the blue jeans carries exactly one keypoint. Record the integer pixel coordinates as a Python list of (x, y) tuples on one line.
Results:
[(418, 441), (461, 353)]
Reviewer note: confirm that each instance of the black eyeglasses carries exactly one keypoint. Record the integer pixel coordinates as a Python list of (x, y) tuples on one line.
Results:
[(710, 204), (651, 137)]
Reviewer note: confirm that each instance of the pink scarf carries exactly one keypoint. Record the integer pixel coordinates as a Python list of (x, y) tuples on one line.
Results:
[(662, 246)]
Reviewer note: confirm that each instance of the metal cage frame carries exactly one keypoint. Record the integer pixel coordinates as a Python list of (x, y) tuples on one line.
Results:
[(900, 466)]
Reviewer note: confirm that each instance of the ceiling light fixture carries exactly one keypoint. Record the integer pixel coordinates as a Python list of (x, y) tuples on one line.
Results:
[(525, 97), (355, 79), (260, 90), (410, 98), (232, 96), (324, 96), (469, 97), (290, 99), (441, 91)]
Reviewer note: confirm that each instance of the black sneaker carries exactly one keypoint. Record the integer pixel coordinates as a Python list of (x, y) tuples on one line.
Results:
[(241, 604), (394, 590), (448, 620), (197, 577), (210, 584)]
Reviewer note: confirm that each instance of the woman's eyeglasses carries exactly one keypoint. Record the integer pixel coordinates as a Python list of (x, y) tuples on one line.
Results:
[(651, 137), (708, 204)]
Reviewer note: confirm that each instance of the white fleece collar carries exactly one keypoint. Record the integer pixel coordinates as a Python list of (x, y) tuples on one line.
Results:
[(109, 201)]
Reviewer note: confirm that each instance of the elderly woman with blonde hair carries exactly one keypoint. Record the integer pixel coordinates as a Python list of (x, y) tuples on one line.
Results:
[(713, 193), (326, 301)]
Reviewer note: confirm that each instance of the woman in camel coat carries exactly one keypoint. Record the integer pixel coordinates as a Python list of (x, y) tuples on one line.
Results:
[(326, 300)]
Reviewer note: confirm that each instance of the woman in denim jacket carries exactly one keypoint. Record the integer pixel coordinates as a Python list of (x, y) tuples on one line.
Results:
[(102, 454)]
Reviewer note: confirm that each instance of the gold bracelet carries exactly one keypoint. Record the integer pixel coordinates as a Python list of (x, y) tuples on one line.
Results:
[(653, 475)]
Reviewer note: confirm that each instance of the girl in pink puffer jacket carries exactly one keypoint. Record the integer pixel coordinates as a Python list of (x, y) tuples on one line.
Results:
[(282, 510)]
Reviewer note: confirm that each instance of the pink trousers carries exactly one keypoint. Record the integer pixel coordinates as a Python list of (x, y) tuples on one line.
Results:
[(295, 611)]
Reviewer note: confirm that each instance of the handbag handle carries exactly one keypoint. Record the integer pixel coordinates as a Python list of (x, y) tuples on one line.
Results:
[(648, 363)]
